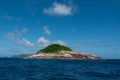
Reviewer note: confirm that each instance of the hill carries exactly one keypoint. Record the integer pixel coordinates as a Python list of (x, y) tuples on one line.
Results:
[(56, 51), (54, 48)]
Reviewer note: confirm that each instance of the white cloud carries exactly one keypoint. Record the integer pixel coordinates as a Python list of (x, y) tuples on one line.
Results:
[(17, 38), (24, 30), (43, 42), (46, 30), (8, 17), (10, 36), (26, 43), (20, 32), (93, 41), (59, 9), (60, 42)]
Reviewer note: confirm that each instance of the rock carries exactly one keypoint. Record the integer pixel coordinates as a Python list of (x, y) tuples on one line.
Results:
[(63, 55)]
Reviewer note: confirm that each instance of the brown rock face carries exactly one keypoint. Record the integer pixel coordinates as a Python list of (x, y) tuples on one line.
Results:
[(63, 55)]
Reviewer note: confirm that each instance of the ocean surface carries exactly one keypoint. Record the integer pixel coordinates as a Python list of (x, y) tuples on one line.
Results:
[(53, 69)]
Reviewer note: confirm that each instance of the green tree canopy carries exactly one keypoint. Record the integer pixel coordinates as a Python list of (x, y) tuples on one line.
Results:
[(54, 48)]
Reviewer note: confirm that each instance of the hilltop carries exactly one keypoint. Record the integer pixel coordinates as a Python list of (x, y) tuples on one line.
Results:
[(54, 48)]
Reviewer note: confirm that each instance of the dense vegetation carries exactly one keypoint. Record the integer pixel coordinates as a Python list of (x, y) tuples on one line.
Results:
[(54, 48)]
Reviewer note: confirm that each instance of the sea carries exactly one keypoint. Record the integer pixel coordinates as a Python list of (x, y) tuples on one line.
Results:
[(59, 69)]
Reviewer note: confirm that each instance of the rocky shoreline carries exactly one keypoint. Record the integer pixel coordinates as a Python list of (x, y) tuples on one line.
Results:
[(63, 55)]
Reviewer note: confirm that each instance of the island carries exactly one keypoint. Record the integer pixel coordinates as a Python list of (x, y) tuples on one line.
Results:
[(57, 51)]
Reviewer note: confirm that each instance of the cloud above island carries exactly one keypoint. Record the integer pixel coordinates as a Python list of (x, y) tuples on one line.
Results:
[(17, 37), (60, 42), (26, 43), (43, 42), (7, 16), (46, 30), (59, 9)]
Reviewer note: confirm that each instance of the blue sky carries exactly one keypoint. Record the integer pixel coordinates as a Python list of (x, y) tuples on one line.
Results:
[(90, 26)]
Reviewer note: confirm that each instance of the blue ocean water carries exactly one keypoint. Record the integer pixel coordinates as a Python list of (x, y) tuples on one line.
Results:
[(53, 69)]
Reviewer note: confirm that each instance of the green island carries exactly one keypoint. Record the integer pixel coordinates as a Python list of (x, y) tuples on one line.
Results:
[(57, 51)]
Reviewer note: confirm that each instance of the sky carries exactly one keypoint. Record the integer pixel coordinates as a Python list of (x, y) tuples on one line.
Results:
[(88, 26)]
